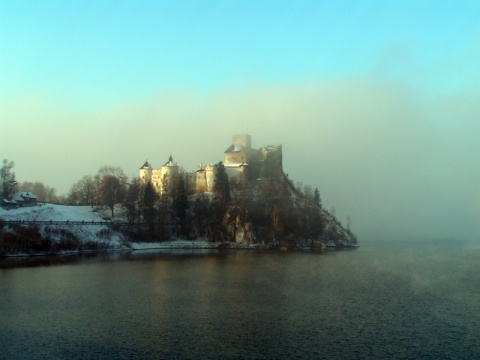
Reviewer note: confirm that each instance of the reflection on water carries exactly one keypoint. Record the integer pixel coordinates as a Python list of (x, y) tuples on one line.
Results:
[(33, 261), (374, 302)]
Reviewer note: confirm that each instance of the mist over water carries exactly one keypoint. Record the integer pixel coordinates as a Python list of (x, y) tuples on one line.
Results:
[(390, 300), (400, 163)]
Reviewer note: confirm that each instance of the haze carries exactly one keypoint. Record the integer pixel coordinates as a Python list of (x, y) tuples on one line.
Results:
[(375, 103)]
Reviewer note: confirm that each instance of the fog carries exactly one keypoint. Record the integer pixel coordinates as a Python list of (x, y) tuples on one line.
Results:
[(401, 164)]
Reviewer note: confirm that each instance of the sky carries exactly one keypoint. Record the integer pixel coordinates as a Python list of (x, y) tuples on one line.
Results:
[(374, 102)]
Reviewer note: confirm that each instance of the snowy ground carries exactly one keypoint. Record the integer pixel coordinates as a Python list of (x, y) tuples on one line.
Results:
[(185, 244), (63, 213), (175, 244), (51, 212), (90, 232)]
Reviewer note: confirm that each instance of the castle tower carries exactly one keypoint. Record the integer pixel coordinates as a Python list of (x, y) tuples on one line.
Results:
[(205, 178), (169, 175), (239, 151), (243, 141), (145, 173), (170, 168)]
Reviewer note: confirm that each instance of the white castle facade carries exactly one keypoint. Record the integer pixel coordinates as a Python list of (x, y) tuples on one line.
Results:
[(242, 163)]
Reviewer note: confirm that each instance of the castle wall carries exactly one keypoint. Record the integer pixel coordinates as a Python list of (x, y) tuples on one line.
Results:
[(205, 179), (210, 172), (201, 182), (241, 162), (273, 166), (190, 179), (238, 172), (145, 175), (156, 180), (236, 157)]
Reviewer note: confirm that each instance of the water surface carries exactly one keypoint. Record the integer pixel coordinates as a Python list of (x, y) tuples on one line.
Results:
[(383, 300)]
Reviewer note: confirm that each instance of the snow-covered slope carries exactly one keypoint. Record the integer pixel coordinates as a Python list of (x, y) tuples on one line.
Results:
[(89, 233), (51, 212), (84, 233)]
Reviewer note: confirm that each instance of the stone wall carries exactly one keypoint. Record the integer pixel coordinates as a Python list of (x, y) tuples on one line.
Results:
[(241, 161)]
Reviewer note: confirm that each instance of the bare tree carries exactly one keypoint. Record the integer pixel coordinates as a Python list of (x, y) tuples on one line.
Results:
[(87, 190), (84, 191), (8, 183), (112, 191), (112, 186)]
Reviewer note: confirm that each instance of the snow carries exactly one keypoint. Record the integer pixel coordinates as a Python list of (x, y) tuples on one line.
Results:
[(23, 194), (50, 212), (175, 244), (186, 244), (235, 165), (89, 232), (63, 213)]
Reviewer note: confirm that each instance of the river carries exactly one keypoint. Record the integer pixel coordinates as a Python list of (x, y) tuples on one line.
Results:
[(404, 300)]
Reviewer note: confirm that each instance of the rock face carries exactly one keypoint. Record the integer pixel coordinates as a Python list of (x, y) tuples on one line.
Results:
[(243, 234), (241, 228)]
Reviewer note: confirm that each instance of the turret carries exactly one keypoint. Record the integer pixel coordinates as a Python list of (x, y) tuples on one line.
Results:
[(145, 173), (169, 174)]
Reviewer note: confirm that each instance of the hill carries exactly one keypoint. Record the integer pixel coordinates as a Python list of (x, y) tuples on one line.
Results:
[(48, 229)]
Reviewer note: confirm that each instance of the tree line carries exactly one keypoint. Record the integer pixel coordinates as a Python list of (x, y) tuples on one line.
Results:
[(274, 211)]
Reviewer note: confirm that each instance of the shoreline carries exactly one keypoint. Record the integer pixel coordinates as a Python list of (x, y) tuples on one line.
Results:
[(169, 245)]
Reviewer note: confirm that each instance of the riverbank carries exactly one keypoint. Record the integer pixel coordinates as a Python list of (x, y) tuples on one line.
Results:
[(61, 230)]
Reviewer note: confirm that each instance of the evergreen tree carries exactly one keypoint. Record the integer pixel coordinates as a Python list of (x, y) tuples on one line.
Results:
[(149, 198), (219, 206), (316, 222), (161, 232), (180, 203), (132, 200), (316, 198), (202, 212), (133, 191), (221, 188)]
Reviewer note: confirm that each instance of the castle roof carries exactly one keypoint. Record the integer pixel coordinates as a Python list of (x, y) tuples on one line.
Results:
[(235, 165), (234, 148), (146, 165), (170, 162)]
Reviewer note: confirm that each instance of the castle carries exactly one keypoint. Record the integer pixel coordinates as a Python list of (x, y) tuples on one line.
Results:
[(242, 163)]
